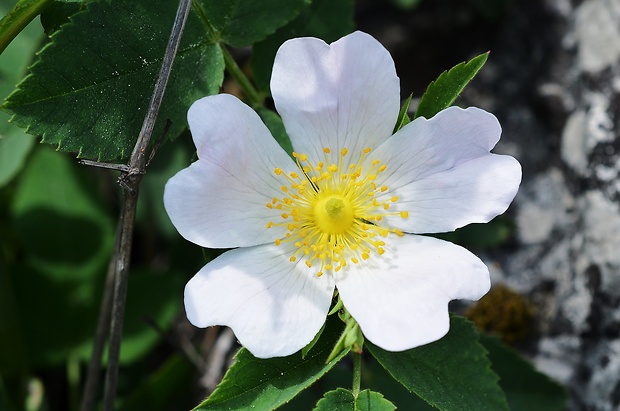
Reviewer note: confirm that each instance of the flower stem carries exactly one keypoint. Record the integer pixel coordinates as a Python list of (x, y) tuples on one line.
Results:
[(18, 18), (256, 100), (357, 373)]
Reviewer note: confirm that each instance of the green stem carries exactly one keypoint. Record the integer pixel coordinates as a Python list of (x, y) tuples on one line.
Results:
[(357, 373), (18, 18), (231, 65)]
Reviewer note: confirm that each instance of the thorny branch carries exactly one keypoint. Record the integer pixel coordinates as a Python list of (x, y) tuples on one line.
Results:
[(130, 180)]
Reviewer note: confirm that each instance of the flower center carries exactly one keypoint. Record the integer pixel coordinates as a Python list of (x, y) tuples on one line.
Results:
[(331, 212)]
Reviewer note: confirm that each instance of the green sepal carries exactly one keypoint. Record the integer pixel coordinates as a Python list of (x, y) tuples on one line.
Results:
[(344, 400), (442, 92), (307, 348), (350, 339), (403, 118)]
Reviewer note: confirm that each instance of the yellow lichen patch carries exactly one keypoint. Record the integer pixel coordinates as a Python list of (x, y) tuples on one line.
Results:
[(505, 312), (331, 212)]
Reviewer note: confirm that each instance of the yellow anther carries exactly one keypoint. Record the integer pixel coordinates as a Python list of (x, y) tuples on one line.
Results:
[(331, 212)]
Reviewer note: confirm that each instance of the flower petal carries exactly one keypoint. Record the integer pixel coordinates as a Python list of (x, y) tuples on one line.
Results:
[(219, 201), (443, 173), (341, 95), (400, 299), (274, 307)]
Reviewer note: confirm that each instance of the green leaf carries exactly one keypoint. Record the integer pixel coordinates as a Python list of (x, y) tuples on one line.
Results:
[(325, 19), (525, 388), (168, 388), (403, 118), (442, 92), (90, 88), (256, 384), (487, 235), (58, 13), (407, 4), (14, 148), (59, 218), (275, 125), (13, 356), (65, 238), (244, 22), (451, 374), (344, 400)]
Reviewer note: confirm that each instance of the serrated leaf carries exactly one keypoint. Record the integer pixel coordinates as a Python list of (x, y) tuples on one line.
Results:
[(344, 400), (256, 384), (244, 22), (525, 388), (91, 85), (325, 19), (452, 374), (442, 92)]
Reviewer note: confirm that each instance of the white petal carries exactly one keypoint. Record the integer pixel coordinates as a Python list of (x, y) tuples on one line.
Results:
[(341, 95), (443, 174), (275, 307), (400, 299), (219, 201)]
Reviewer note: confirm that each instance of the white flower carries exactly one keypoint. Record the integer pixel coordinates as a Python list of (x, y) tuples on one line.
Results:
[(345, 214)]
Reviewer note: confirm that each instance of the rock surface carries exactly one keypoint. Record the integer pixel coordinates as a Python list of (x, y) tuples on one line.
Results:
[(553, 80), (565, 130)]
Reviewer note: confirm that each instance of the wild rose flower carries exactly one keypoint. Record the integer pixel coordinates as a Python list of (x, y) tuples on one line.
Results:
[(345, 213)]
